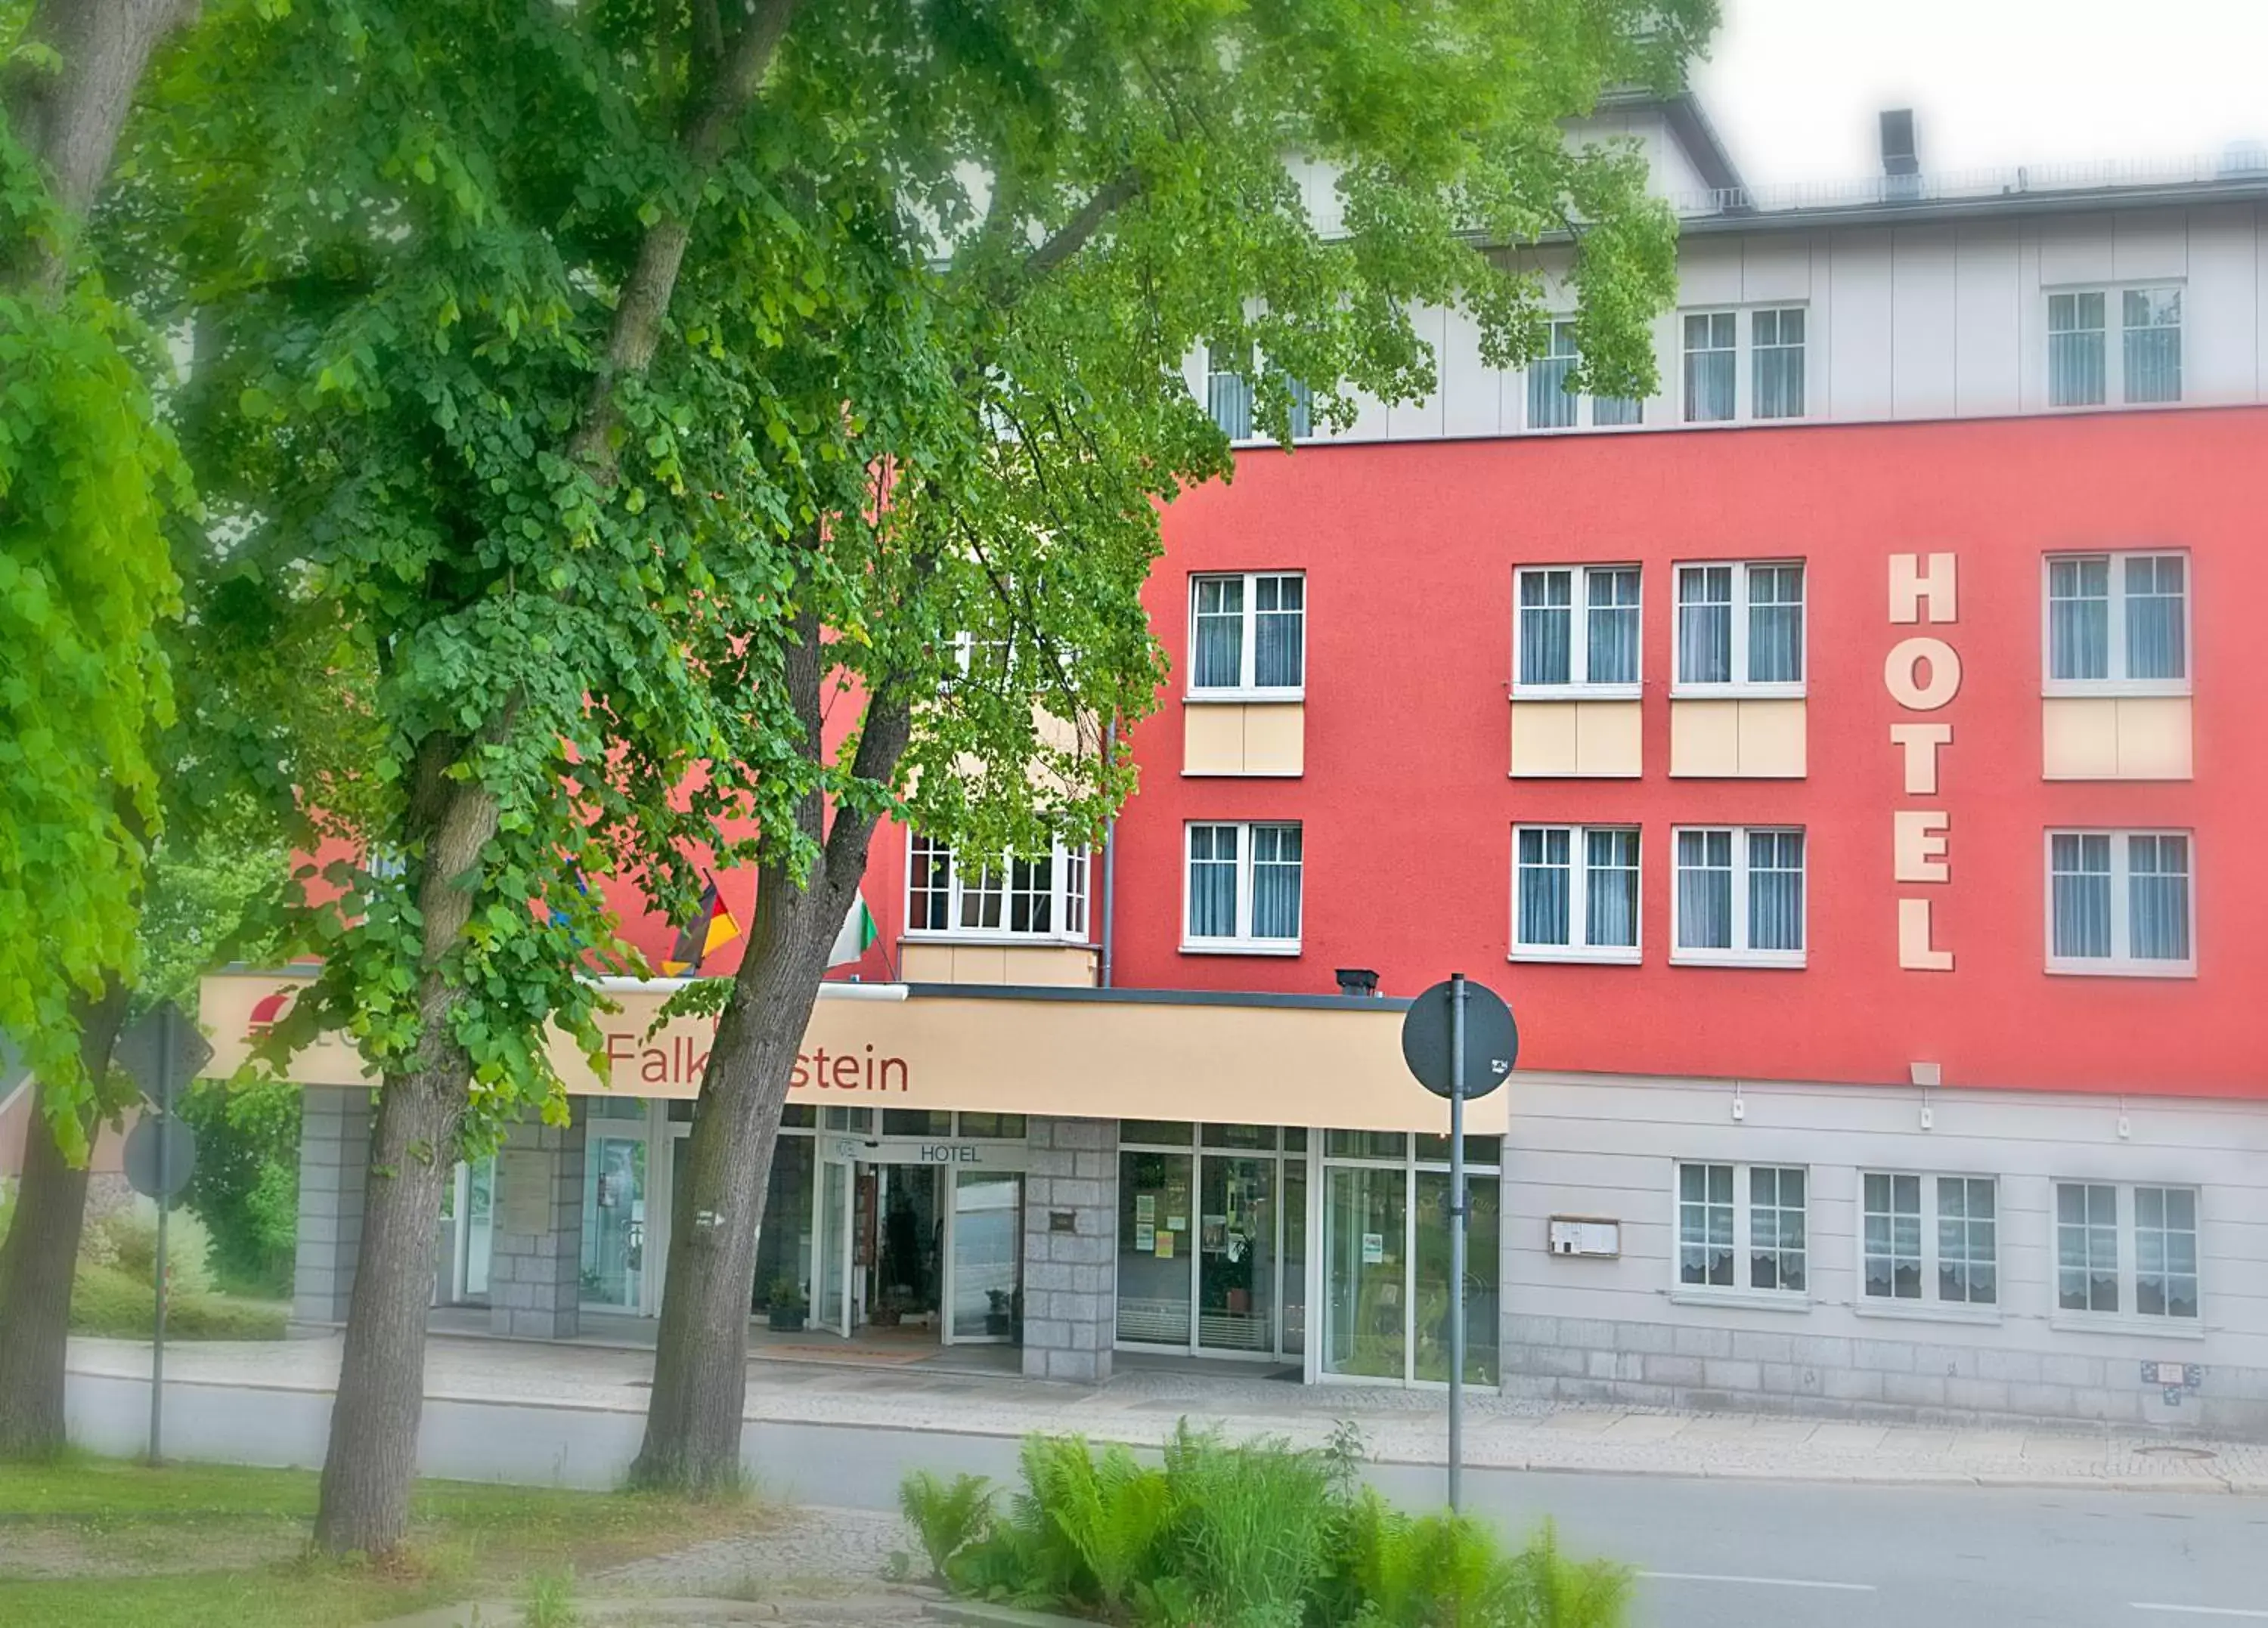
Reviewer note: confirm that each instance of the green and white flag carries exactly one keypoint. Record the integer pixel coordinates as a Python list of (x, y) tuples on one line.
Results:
[(856, 935)]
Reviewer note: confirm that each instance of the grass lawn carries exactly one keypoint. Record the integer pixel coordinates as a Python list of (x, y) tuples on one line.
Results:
[(95, 1543)]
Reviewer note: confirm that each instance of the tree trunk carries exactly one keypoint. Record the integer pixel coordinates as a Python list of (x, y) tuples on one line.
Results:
[(700, 1366), (372, 1456), (69, 119), (700, 1372), (41, 1257)]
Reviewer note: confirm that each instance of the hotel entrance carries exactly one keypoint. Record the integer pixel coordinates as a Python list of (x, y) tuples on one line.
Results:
[(918, 1224)]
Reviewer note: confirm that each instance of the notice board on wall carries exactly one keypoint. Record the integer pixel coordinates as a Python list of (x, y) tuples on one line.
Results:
[(523, 1192)]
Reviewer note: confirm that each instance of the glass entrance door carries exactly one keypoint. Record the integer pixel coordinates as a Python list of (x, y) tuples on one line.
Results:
[(613, 1222), (984, 1279), (1236, 1255), (831, 1228)]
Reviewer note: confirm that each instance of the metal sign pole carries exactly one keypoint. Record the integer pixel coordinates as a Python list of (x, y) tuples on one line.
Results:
[(1457, 1238), (158, 1343)]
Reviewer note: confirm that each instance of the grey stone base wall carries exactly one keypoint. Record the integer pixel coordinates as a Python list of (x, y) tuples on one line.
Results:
[(535, 1277), (1071, 1248), (1889, 1380), (333, 1166)]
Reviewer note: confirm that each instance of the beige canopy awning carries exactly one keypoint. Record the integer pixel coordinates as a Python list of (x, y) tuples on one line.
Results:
[(1092, 1053)]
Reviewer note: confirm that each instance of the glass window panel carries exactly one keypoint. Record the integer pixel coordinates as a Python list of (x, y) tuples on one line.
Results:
[(2079, 866), (2157, 601), (1434, 1287), (1705, 1225), (1704, 624), (1611, 632), (1276, 869), (1775, 889), (1778, 344), (1966, 1240), (2158, 897), (1366, 1145), (1158, 1233), (1171, 1133), (1213, 868), (1550, 403), (1775, 624), (1280, 621), (1228, 396), (2079, 618), (2076, 372), (1216, 658), (1247, 1136), (917, 1122), (1546, 885), (1478, 1149), (1546, 622), (2151, 319), (1709, 358), (1777, 1229), (1610, 874), (1365, 1242), (2165, 1252), (993, 1126), (2086, 1247), (783, 1241), (1235, 1245), (1704, 890), (1893, 1255)]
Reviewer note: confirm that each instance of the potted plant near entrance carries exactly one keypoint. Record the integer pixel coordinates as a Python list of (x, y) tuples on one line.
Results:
[(787, 1304)]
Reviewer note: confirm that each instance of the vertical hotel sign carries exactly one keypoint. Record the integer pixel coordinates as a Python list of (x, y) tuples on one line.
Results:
[(1923, 673)]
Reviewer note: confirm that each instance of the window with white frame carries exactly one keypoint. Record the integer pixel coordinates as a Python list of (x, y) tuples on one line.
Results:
[(1577, 628), (950, 896), (1552, 404), (2085, 368), (1776, 359), (1739, 897), (2125, 1250), (1712, 366), (1740, 627), (1243, 885), (2121, 902), (1575, 892), (2118, 622), (1249, 634), (1930, 1238), (1743, 1229), (1229, 398)]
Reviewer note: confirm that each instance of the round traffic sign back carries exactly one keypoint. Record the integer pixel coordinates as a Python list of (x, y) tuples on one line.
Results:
[(1492, 1040), (141, 1155)]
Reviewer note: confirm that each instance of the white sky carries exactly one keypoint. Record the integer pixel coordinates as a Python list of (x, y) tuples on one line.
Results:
[(1793, 85)]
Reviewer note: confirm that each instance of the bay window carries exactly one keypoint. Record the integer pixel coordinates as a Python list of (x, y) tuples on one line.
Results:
[(950, 895)]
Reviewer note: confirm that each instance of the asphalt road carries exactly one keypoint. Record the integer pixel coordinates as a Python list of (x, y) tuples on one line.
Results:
[(1731, 1553)]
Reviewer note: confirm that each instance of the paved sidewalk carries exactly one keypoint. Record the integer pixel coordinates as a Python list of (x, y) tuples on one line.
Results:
[(1141, 1405)]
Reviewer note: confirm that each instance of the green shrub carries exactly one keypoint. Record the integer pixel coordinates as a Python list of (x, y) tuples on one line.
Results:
[(106, 1301), (127, 1240), (947, 1518), (1254, 1534)]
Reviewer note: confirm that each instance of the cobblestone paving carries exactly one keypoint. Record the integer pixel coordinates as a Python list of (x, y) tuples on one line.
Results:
[(1142, 1404), (805, 1548)]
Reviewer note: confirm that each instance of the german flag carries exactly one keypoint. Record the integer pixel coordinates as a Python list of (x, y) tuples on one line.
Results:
[(711, 928)]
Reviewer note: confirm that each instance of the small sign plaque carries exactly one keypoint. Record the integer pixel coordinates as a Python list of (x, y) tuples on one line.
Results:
[(523, 1199)]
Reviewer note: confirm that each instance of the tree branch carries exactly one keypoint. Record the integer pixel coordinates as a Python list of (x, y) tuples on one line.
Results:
[(1112, 196)]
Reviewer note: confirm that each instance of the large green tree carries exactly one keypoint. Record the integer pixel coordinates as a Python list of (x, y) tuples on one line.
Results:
[(1096, 189), (654, 387), (87, 475)]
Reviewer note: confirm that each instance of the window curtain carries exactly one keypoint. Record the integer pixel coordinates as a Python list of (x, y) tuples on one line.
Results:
[(1275, 882), (1608, 411), (1967, 1240), (2078, 619), (2156, 645), (1611, 888), (1775, 624), (1229, 398), (1704, 1224), (1279, 609), (2080, 866), (1546, 626), (1610, 637), (1303, 408), (1777, 1244), (1704, 624), (2086, 1247), (1775, 889), (2152, 334), (2158, 897), (2076, 374), (1544, 885), (1704, 890), (2165, 1251), (1550, 404), (1776, 340), (1217, 660), (1709, 360), (1213, 881), (1892, 1242)]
